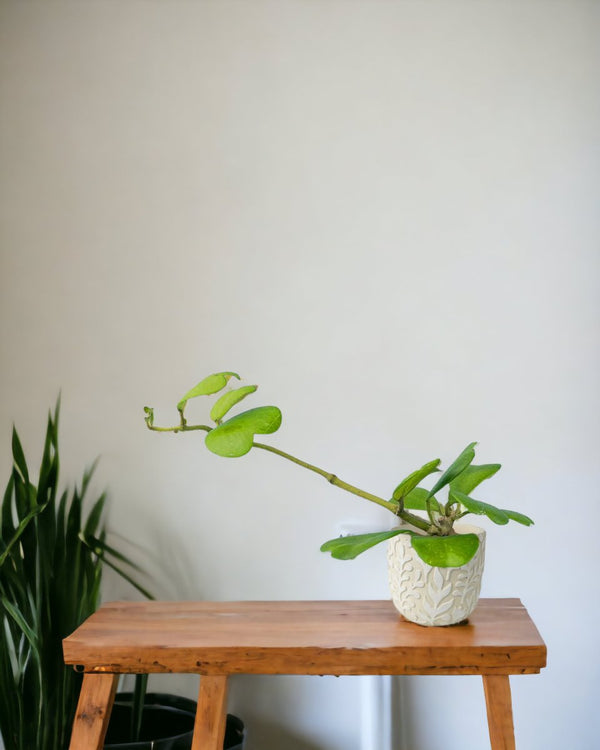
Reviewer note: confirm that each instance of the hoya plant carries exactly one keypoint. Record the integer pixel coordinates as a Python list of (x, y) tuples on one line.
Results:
[(428, 517)]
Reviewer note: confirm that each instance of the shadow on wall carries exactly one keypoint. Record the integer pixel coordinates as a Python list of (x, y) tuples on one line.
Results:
[(165, 567)]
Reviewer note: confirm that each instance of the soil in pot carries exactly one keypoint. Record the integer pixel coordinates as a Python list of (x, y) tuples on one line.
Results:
[(167, 724)]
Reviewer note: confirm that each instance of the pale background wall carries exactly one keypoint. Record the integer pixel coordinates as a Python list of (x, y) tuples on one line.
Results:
[(385, 213)]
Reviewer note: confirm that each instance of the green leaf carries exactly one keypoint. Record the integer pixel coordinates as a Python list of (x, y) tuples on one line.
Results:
[(481, 509), (95, 516), (349, 547), (211, 384), (19, 462), (412, 480), (6, 548), (234, 437), (23, 625), (228, 400), (446, 551), (143, 591), (417, 500), (455, 468), (473, 476), (518, 517)]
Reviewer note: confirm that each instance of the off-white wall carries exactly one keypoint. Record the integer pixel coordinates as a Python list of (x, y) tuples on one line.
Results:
[(385, 213)]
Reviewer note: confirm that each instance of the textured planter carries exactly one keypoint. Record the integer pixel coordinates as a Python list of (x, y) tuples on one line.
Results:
[(434, 596), (167, 724)]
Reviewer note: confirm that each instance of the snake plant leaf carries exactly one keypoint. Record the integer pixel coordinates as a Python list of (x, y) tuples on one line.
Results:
[(94, 518), (99, 548), (446, 551), (473, 476), (481, 509), (211, 384), (6, 548), (18, 617), (49, 583), (349, 547), (228, 400), (19, 462), (12, 652), (234, 437), (518, 517), (455, 468), (417, 500), (412, 480)]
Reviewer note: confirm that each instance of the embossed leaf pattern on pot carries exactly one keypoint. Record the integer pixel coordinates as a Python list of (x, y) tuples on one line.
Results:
[(431, 595)]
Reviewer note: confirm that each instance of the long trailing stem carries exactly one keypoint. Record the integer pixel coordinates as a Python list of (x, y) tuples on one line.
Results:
[(330, 477)]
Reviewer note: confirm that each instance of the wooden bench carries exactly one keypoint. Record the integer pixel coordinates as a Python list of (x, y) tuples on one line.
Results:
[(218, 639)]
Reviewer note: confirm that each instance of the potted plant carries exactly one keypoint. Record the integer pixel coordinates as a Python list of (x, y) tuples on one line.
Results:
[(168, 724), (435, 562), (51, 558)]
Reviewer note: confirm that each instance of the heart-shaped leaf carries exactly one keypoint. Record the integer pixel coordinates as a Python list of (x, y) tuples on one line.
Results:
[(412, 480), (446, 551), (349, 547), (481, 509), (455, 468), (473, 476), (417, 500), (211, 384), (229, 400), (234, 437)]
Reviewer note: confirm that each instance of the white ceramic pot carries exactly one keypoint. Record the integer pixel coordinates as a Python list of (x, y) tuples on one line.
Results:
[(434, 596)]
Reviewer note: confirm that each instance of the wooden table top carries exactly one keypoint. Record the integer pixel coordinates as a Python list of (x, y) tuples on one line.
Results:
[(302, 637)]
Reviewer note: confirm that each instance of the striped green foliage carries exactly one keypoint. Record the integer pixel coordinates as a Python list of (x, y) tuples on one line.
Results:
[(52, 550)]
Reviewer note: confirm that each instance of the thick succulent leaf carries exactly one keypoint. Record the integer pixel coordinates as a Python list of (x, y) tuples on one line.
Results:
[(412, 480), (473, 476), (446, 551), (518, 517), (455, 468), (211, 384), (229, 400), (234, 437), (481, 509), (349, 547), (417, 500)]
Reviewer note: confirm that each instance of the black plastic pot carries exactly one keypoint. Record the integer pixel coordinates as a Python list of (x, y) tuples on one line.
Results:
[(167, 724)]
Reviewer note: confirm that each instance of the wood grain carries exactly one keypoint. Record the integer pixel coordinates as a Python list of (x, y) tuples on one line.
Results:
[(211, 715), (313, 637), (499, 712), (93, 711)]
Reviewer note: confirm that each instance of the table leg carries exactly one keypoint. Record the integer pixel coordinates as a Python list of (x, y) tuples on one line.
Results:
[(211, 715), (499, 711), (93, 711)]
